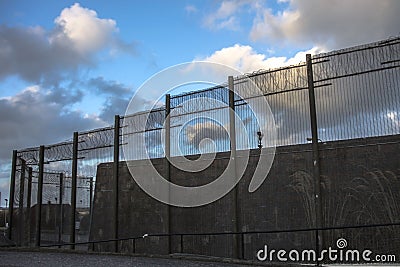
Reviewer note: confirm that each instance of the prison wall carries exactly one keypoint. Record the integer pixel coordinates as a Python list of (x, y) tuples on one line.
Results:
[(360, 185)]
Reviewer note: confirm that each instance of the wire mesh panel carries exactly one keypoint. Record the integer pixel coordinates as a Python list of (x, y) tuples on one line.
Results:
[(20, 202), (26, 194), (280, 79), (362, 97), (199, 117), (17, 208), (142, 135), (94, 147), (27, 167), (285, 91), (56, 196), (49, 212)]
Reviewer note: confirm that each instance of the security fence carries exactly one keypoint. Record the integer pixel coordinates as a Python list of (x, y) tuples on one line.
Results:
[(341, 95)]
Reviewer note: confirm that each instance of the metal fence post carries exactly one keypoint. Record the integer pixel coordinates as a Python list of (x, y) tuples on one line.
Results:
[(232, 135), (116, 178), (168, 165), (21, 203), (39, 197), (242, 246), (73, 189), (315, 152), (91, 194), (28, 203), (181, 243), (12, 190), (61, 220)]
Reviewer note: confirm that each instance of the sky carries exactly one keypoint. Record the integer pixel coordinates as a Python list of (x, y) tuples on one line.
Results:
[(71, 66)]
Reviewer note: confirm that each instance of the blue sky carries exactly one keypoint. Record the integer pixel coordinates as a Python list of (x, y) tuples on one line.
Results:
[(73, 65)]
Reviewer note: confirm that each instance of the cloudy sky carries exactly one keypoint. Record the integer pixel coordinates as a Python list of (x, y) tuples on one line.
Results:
[(70, 66)]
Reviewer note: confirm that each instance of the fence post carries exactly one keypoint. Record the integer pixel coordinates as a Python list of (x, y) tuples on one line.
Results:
[(39, 197), (74, 177), (168, 165), (61, 220), (181, 243), (242, 246), (91, 194), (12, 190), (315, 152), (116, 178), (232, 135), (21, 203), (28, 203)]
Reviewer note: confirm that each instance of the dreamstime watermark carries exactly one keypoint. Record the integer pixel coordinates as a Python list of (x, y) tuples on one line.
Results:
[(334, 255), (214, 110)]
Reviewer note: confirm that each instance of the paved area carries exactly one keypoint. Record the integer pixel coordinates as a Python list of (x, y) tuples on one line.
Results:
[(21, 258), (32, 258)]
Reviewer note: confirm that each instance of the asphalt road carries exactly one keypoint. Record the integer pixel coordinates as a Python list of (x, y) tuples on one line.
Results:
[(29, 258)]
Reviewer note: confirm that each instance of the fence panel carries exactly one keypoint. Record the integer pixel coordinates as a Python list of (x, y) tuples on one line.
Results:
[(362, 98), (94, 148), (56, 197), (27, 161), (199, 116)]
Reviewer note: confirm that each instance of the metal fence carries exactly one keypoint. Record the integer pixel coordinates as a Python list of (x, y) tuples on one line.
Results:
[(345, 94)]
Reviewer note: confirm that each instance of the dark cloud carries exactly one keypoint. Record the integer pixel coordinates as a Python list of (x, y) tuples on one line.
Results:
[(32, 57), (102, 86), (63, 96), (113, 106), (48, 56), (332, 24), (117, 97), (35, 117)]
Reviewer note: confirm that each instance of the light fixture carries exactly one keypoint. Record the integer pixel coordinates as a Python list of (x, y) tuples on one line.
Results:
[(260, 137)]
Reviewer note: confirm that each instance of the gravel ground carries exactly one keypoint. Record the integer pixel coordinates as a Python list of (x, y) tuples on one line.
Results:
[(32, 258), (44, 258)]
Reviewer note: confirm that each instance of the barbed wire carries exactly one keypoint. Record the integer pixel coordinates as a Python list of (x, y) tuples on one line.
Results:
[(95, 139), (58, 152), (359, 60), (31, 155)]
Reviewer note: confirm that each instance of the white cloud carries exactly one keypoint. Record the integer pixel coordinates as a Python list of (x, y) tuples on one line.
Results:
[(84, 29), (332, 23), (37, 55), (226, 15), (246, 59)]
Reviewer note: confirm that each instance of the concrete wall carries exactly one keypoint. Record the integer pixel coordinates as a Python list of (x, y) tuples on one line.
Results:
[(360, 182)]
